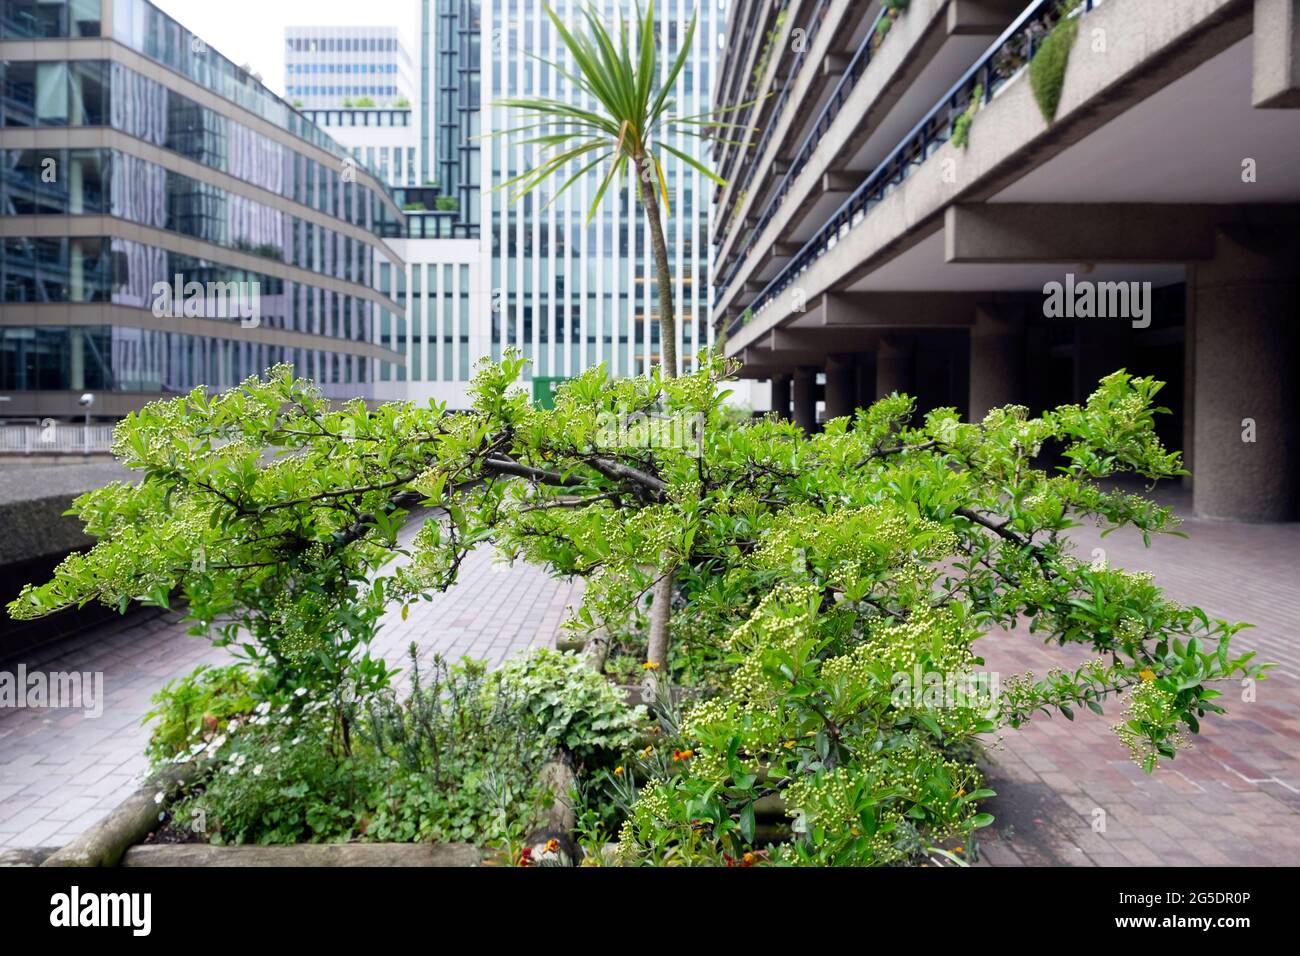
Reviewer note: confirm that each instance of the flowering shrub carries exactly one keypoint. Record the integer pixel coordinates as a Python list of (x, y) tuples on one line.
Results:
[(275, 779), (810, 573)]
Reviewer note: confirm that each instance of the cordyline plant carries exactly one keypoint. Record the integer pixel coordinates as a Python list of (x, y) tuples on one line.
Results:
[(825, 567), (624, 118)]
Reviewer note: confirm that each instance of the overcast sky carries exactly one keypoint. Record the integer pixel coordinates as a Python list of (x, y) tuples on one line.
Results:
[(252, 31)]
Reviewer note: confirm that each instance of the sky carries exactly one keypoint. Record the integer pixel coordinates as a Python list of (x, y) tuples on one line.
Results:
[(252, 31)]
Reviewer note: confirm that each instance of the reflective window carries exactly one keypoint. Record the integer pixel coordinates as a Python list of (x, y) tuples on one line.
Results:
[(49, 18)]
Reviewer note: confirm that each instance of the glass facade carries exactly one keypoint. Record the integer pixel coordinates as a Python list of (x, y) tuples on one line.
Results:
[(316, 226), (459, 97), (99, 93), (41, 19), (112, 358), (102, 181)]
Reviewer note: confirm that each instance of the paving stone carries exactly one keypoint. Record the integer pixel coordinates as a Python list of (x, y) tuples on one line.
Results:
[(60, 772)]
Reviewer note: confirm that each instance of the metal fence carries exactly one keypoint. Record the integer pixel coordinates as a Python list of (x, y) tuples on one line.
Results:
[(55, 438)]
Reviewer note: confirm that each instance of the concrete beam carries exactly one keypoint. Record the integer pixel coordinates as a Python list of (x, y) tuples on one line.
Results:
[(833, 182), (898, 310), (823, 340), (981, 17), (764, 357), (1276, 45), (1078, 232), (835, 64)]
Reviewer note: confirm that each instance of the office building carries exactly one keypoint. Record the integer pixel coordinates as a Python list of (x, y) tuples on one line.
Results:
[(337, 67), (167, 222)]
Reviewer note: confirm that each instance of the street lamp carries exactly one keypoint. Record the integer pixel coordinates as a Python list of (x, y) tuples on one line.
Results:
[(86, 401)]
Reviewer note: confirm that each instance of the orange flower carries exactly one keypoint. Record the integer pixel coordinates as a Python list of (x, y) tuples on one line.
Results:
[(683, 754), (552, 846)]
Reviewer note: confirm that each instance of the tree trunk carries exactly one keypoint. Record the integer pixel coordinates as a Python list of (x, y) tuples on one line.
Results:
[(661, 610), (647, 183)]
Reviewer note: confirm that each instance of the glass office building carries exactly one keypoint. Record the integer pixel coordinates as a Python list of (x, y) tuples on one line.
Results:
[(133, 158), (568, 293)]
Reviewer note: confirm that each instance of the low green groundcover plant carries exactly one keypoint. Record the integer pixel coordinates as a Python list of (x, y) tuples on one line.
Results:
[(829, 590), (191, 708), (457, 760)]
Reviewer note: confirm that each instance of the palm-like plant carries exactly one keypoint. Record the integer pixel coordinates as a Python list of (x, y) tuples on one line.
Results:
[(625, 127)]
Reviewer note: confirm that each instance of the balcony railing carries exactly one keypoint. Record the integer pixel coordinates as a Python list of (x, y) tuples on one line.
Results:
[(857, 66), (1002, 62), (778, 108)]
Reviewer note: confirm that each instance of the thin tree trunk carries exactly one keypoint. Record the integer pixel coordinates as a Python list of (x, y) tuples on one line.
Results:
[(662, 605), (648, 184), (661, 610)]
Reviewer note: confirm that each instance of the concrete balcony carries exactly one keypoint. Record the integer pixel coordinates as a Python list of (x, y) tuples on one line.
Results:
[(813, 160), (1171, 164), (807, 57)]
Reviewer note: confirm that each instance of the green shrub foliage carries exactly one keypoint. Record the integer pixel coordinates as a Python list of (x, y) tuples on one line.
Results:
[(1047, 68), (839, 581)]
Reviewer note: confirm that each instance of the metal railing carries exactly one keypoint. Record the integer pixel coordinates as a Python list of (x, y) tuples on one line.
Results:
[(1002, 62), (778, 107), (55, 438), (857, 66)]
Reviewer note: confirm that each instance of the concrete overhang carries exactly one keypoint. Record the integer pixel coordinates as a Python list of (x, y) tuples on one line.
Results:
[(929, 47), (1130, 129)]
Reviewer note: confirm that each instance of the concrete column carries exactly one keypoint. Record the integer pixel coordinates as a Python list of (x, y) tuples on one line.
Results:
[(866, 379), (1275, 45), (841, 386), (781, 396), (997, 361), (895, 366), (1247, 378), (1101, 346), (803, 391)]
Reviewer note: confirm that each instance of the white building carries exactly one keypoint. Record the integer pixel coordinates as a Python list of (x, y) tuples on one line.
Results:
[(569, 294), (566, 293), (336, 66)]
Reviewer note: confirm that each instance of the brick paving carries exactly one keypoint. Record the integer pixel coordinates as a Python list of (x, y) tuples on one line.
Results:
[(1233, 797), (60, 771), (1068, 792)]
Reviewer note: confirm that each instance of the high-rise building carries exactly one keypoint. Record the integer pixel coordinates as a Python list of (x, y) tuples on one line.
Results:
[(381, 138), (927, 213), (567, 293), (166, 222), (333, 67), (484, 272)]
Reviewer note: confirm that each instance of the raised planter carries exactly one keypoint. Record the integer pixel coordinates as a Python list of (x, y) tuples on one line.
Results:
[(305, 854)]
